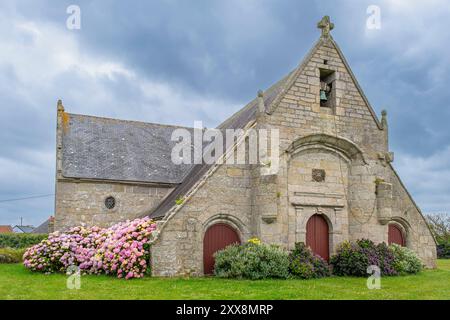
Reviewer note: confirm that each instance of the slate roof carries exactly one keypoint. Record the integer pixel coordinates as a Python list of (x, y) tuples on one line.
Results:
[(23, 229), (44, 227), (110, 149)]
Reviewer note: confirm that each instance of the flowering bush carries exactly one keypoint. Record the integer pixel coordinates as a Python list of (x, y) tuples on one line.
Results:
[(252, 261), (380, 255), (352, 259), (122, 250), (125, 250), (349, 260), (304, 264), (405, 260)]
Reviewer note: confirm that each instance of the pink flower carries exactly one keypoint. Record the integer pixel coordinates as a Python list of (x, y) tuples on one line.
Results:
[(95, 250)]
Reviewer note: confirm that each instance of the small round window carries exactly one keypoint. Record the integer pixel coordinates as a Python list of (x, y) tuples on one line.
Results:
[(110, 202)]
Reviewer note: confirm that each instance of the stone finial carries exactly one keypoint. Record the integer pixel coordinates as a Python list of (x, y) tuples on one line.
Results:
[(326, 26), (60, 106), (384, 123), (261, 105)]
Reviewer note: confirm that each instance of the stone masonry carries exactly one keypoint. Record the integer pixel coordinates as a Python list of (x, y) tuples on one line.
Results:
[(84, 202), (333, 160), (348, 142)]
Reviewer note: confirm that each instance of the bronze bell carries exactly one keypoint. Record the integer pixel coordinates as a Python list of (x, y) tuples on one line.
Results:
[(323, 95)]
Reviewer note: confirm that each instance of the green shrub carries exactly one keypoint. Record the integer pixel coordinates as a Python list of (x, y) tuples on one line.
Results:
[(385, 259), (20, 240), (252, 261), (304, 264), (353, 259), (406, 261), (5, 259), (8, 255), (349, 260), (443, 251)]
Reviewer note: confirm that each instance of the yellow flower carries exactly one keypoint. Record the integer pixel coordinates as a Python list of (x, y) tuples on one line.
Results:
[(254, 241)]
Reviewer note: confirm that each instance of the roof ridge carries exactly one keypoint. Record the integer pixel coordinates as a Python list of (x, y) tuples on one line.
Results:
[(253, 102), (129, 121)]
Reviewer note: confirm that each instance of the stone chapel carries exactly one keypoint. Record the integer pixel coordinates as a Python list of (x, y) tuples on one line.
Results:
[(335, 181)]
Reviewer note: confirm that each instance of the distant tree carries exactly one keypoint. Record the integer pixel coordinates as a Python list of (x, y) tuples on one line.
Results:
[(440, 226)]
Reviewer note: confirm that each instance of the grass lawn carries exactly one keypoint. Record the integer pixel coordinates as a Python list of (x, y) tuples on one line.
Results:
[(18, 283)]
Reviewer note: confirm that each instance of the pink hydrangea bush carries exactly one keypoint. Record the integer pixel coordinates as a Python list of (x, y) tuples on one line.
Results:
[(125, 249), (121, 250)]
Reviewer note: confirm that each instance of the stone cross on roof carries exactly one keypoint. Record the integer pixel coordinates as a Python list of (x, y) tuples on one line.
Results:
[(326, 25)]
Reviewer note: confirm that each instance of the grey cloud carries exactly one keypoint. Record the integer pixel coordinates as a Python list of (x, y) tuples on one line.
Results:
[(204, 60)]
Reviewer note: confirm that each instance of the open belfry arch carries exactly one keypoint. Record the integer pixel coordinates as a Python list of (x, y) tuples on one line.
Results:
[(334, 179)]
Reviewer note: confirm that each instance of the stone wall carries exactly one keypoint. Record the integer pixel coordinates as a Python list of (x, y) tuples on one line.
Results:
[(406, 214), (224, 197), (84, 202), (298, 114), (308, 197)]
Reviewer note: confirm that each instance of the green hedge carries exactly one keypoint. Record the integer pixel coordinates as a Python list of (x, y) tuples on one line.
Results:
[(20, 240)]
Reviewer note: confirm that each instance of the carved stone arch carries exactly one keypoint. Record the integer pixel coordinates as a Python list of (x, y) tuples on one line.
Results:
[(401, 221), (320, 148), (344, 147), (327, 216), (230, 220)]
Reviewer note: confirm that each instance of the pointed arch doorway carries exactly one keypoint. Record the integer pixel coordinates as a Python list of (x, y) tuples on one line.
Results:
[(317, 236)]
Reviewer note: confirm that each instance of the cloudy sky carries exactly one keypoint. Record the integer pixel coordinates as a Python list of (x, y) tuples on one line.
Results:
[(176, 61)]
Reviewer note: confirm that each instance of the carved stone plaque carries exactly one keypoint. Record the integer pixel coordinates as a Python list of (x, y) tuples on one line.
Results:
[(318, 175)]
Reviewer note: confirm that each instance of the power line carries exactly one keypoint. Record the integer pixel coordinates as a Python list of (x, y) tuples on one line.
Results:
[(26, 198)]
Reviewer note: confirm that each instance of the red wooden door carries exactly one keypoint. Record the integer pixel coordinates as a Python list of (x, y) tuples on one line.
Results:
[(217, 237), (317, 236), (395, 235)]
